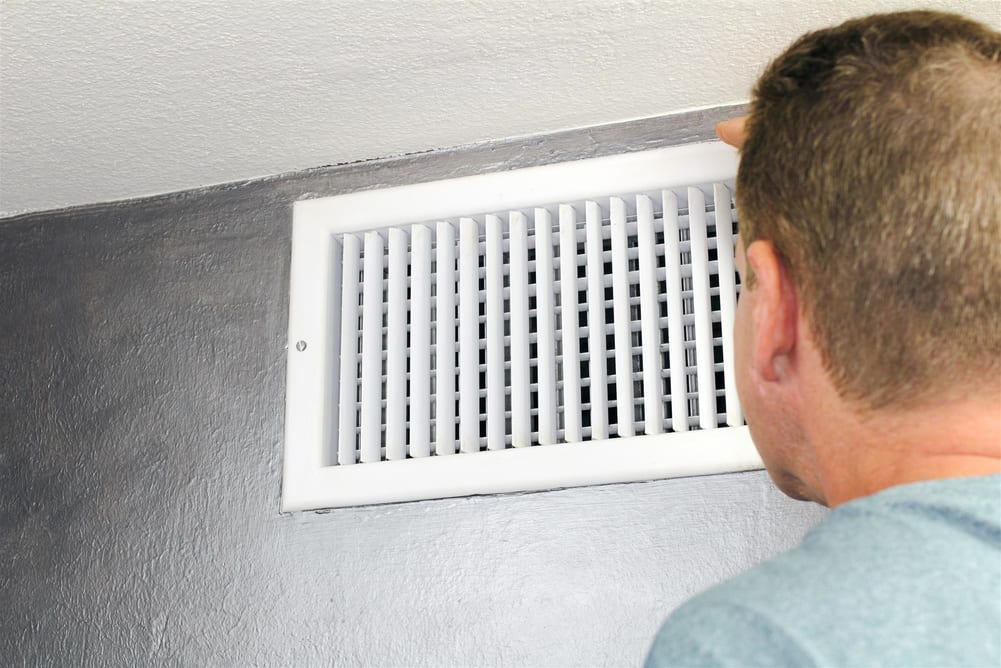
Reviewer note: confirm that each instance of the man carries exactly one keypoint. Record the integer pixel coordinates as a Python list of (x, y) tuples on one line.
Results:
[(868, 349)]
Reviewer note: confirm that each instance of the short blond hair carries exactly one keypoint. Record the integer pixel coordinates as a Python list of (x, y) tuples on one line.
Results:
[(873, 163)]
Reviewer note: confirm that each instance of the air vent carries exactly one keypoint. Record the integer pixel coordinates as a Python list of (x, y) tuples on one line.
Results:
[(541, 328)]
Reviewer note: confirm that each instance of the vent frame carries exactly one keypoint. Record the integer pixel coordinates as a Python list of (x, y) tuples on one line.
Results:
[(313, 365)]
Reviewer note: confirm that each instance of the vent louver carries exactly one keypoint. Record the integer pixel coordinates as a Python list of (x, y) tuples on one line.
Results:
[(574, 332)]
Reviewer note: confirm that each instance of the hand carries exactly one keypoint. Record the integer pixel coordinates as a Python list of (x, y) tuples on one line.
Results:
[(732, 131)]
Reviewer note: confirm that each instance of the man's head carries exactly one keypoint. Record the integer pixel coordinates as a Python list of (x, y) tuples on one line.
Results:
[(873, 163), (871, 176)]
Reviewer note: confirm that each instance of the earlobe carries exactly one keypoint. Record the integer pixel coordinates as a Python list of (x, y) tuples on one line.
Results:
[(775, 311)]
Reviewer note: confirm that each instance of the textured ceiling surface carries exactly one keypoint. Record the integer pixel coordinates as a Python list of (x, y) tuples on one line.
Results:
[(111, 100)]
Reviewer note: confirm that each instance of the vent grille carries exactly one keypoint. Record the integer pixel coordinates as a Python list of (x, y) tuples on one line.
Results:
[(565, 323), (577, 330)]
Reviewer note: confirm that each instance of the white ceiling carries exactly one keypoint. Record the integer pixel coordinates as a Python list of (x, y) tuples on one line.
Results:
[(109, 100)]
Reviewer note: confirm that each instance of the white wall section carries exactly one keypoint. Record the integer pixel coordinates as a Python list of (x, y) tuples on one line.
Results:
[(112, 100)]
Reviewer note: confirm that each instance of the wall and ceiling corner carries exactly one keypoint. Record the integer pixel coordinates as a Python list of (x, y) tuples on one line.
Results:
[(141, 389)]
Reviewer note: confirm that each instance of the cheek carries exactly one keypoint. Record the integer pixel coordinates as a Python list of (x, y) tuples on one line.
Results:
[(749, 404), (741, 350)]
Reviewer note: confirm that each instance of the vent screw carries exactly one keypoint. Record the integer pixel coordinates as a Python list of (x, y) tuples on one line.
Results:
[(300, 346)]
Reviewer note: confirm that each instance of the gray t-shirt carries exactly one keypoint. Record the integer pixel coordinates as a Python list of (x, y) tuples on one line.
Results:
[(907, 577)]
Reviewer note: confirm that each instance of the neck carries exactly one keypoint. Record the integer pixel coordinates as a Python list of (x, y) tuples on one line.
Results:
[(860, 454)]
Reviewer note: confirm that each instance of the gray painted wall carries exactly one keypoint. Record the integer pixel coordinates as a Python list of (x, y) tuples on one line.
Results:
[(141, 388)]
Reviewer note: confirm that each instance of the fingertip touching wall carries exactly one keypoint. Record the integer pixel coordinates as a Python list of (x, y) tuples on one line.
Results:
[(142, 368)]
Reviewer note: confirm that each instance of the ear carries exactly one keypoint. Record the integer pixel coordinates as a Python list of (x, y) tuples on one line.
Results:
[(775, 312)]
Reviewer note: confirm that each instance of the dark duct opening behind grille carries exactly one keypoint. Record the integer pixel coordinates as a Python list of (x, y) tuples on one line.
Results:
[(564, 323)]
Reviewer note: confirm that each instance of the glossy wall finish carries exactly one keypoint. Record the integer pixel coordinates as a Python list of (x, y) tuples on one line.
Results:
[(141, 387)]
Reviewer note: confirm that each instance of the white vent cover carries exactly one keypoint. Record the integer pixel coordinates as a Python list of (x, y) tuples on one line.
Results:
[(534, 329)]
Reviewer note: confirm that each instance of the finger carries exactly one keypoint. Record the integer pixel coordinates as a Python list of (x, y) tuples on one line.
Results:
[(732, 131)]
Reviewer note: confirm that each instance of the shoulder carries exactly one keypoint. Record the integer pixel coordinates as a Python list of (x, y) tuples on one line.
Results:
[(762, 617), (708, 632), (910, 574)]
